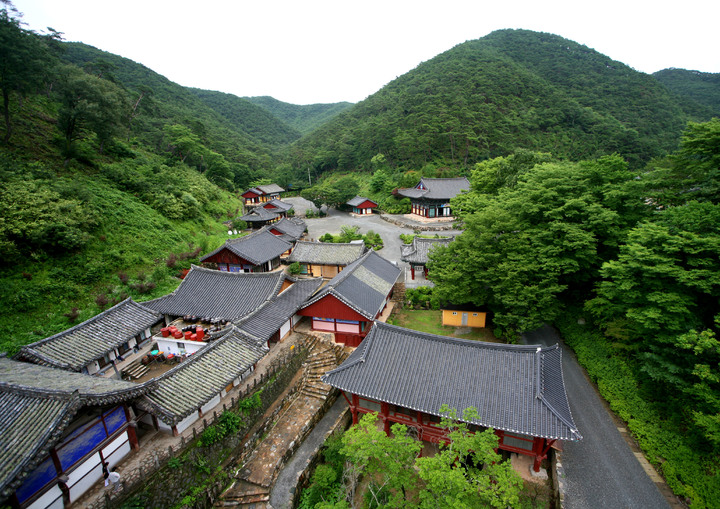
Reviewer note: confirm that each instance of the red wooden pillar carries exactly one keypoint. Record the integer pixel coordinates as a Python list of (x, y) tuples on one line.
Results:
[(538, 444), (132, 433), (412, 271), (384, 415), (353, 408)]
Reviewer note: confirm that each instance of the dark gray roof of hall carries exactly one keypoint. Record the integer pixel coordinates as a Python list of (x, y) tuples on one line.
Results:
[(516, 388), (292, 228), (363, 285), (326, 253), (278, 204), (36, 405), (92, 339), (418, 251), (257, 248), (217, 294), (437, 189), (359, 200), (259, 214), (190, 385), (269, 317), (270, 189)]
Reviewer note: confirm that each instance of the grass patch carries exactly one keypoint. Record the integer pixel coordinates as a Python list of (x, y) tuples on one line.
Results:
[(430, 320)]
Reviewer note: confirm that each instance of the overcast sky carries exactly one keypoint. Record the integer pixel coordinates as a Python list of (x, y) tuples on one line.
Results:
[(318, 51)]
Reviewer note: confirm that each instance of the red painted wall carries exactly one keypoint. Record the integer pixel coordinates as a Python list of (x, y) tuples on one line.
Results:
[(331, 307), (249, 194), (226, 256), (367, 204)]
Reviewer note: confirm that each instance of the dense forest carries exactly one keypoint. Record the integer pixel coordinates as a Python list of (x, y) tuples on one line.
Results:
[(513, 89), (594, 201)]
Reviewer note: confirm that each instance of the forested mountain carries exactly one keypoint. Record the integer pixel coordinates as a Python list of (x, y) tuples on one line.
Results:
[(701, 87), (161, 102), (513, 89), (247, 117), (304, 118)]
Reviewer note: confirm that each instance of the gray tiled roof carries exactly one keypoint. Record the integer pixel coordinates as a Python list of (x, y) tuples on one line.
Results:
[(36, 405), (270, 189), (437, 189), (292, 228), (326, 253), (190, 385), (278, 204), (515, 388), (259, 214), (92, 339), (363, 285), (268, 318), (217, 294), (359, 200), (257, 248), (418, 251)]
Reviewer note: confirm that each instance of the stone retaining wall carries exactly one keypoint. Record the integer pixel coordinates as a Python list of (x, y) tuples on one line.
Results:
[(342, 423), (420, 227)]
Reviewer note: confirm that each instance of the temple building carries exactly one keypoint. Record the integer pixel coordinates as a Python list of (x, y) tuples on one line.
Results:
[(406, 376), (430, 198)]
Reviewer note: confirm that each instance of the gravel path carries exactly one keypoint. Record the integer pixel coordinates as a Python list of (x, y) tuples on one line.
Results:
[(601, 470), (335, 220)]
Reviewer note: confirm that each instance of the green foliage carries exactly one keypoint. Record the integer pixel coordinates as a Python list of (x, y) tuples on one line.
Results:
[(304, 118), (294, 269), (531, 245), (373, 240), (388, 459), (698, 88), (510, 90), (467, 472), (347, 234), (332, 192), (422, 297)]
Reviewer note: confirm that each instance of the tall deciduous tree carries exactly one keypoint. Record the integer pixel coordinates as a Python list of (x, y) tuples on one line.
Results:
[(544, 237), (467, 472), (88, 104), (24, 62)]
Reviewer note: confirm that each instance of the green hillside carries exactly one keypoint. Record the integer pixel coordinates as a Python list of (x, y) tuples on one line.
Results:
[(701, 87), (513, 89), (114, 180), (161, 102), (304, 118), (249, 118)]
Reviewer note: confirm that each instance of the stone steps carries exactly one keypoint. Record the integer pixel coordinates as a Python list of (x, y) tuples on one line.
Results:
[(135, 370), (247, 495)]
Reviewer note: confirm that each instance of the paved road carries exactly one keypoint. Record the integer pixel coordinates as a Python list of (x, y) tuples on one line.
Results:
[(601, 470)]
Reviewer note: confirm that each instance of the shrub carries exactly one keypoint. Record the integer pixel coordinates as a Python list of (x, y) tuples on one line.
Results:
[(73, 315), (294, 268)]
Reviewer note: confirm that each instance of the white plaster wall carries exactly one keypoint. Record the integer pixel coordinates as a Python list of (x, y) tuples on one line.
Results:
[(117, 449), (52, 499), (164, 427), (285, 329), (79, 482), (93, 368), (207, 407), (187, 422)]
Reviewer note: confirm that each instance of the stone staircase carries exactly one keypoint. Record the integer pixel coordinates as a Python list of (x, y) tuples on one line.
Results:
[(246, 494), (135, 370), (316, 366), (253, 483)]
